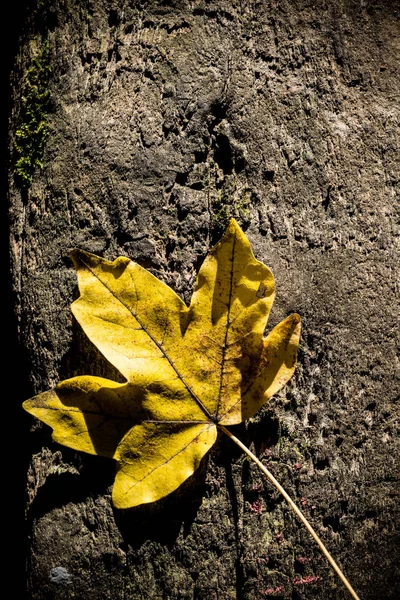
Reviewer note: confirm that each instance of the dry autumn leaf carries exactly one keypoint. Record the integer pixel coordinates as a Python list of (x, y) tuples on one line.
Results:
[(188, 370)]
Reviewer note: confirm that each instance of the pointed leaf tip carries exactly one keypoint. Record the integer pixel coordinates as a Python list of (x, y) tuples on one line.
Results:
[(84, 259), (233, 226), (233, 223), (77, 256), (294, 318)]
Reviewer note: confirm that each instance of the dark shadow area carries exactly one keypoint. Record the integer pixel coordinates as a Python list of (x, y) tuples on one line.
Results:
[(265, 433), (15, 361), (83, 358), (162, 521), (80, 476), (239, 571), (223, 154), (77, 477), (224, 447)]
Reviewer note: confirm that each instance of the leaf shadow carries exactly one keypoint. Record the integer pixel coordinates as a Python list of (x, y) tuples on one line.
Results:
[(72, 477), (226, 454), (164, 520), (83, 358)]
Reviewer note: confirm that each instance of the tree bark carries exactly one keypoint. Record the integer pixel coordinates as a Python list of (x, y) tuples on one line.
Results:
[(138, 128)]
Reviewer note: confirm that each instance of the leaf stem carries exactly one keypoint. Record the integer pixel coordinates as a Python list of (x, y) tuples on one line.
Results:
[(298, 512)]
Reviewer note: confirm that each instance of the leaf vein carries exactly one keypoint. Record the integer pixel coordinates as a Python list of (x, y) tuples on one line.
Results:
[(159, 346), (167, 460), (227, 325)]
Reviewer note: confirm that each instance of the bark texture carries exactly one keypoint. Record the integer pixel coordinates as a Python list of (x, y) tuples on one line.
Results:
[(155, 122)]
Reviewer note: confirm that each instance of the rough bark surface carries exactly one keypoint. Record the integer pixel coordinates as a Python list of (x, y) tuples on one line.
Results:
[(165, 118)]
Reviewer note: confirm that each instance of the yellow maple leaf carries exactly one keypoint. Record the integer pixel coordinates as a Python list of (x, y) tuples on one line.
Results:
[(188, 370)]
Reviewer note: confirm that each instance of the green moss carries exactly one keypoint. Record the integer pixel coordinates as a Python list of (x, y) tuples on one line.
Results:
[(226, 201), (33, 127)]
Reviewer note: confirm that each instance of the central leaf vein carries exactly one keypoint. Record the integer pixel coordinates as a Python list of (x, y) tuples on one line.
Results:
[(227, 326)]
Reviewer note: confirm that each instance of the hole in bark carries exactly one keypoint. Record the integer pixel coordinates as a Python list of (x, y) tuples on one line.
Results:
[(326, 201), (269, 175), (181, 178), (149, 74), (113, 18), (183, 212), (223, 154), (298, 567), (200, 156), (239, 163), (273, 564), (371, 406), (169, 247), (370, 514), (333, 522), (197, 185), (219, 110), (322, 464), (123, 237), (312, 419)]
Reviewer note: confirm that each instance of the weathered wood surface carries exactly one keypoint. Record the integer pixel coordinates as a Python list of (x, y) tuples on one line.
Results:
[(165, 118)]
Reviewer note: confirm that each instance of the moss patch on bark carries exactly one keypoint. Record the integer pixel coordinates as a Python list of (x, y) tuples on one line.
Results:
[(33, 129)]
